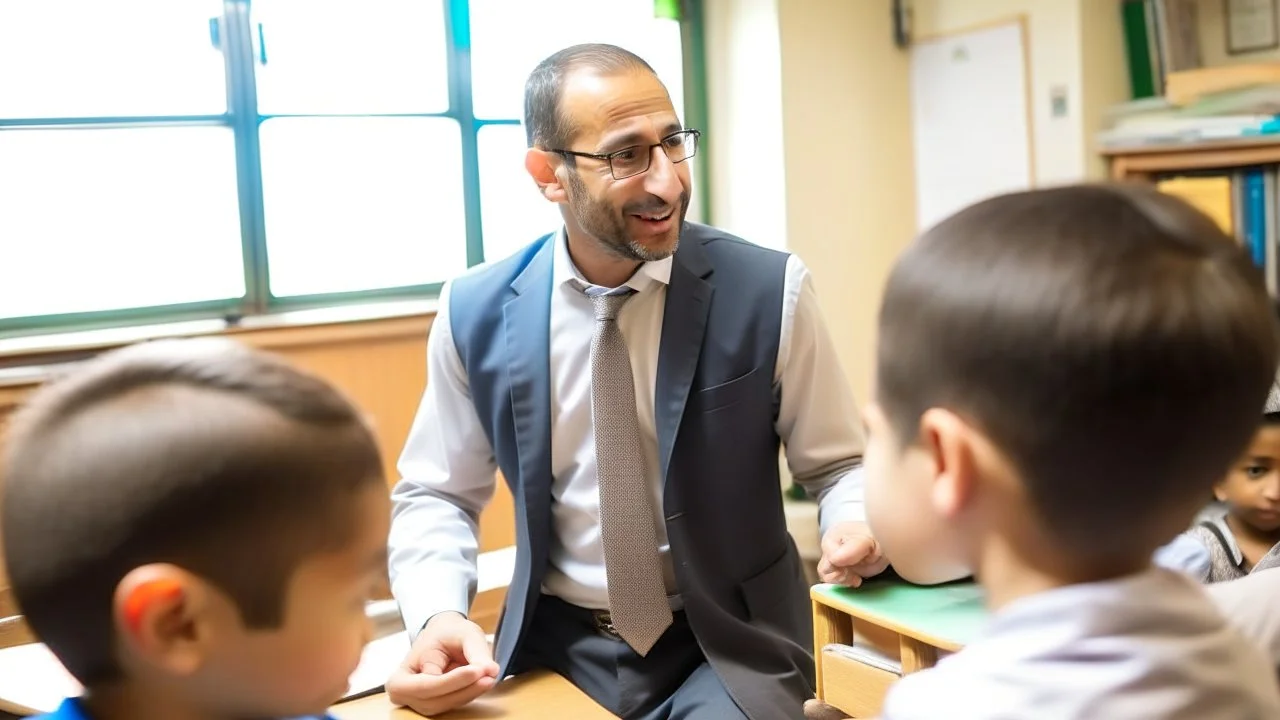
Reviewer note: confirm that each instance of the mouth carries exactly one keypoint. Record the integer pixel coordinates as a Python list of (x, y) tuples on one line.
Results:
[(655, 219)]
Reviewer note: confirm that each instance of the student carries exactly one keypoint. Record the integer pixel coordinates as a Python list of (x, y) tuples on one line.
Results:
[(1038, 354), (193, 529), (1242, 534)]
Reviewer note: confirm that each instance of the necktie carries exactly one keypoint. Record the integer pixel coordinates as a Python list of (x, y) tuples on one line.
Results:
[(638, 605)]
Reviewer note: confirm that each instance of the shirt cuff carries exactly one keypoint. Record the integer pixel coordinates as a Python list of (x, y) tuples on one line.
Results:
[(424, 594)]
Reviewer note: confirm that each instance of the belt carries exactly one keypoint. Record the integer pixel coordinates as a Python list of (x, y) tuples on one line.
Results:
[(604, 624)]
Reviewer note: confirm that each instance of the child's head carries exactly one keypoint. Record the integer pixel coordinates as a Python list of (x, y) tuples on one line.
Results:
[(198, 517), (1251, 488), (1061, 376)]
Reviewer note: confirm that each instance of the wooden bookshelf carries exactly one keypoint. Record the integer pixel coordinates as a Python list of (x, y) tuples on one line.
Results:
[(1141, 163)]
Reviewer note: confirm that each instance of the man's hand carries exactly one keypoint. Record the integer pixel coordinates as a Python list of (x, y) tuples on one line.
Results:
[(850, 554), (449, 665)]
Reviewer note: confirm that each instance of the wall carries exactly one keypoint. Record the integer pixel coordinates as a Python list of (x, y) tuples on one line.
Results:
[(1054, 40), (838, 175), (1104, 74)]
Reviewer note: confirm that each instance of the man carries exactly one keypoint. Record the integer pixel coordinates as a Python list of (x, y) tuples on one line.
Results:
[(632, 376)]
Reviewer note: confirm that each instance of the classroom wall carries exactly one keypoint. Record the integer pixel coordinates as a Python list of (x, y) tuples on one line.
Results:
[(843, 185), (1054, 40), (1104, 74), (839, 181)]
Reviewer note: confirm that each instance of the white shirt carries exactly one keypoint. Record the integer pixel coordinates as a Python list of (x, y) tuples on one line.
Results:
[(1252, 605), (448, 468), (1151, 646)]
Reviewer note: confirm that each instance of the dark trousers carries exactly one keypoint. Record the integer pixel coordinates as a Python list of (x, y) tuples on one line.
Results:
[(673, 682)]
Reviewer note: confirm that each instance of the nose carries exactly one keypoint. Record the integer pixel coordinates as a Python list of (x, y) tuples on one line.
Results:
[(1271, 491), (663, 179)]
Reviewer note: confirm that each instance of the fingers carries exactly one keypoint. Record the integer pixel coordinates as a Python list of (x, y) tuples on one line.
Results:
[(428, 655), (430, 694), (852, 550), (838, 575), (476, 650)]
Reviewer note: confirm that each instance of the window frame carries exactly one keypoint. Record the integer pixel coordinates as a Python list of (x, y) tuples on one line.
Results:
[(236, 39)]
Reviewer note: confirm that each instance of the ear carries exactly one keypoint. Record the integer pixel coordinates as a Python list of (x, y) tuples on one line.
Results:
[(1220, 491), (161, 617), (949, 440), (542, 168)]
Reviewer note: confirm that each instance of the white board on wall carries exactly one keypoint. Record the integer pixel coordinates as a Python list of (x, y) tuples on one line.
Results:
[(971, 119)]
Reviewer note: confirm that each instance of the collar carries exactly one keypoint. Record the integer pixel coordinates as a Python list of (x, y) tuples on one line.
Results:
[(563, 269)]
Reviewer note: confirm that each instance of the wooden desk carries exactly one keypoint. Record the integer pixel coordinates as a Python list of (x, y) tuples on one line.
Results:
[(883, 630), (538, 695)]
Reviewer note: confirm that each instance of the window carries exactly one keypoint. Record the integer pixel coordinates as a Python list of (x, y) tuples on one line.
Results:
[(165, 160)]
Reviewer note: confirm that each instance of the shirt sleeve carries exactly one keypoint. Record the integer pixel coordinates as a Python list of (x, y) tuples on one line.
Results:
[(447, 476), (818, 418)]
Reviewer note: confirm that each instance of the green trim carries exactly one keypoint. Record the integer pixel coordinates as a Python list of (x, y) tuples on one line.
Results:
[(355, 297), (73, 322), (666, 9), (697, 114), (114, 122), (240, 63), (458, 29)]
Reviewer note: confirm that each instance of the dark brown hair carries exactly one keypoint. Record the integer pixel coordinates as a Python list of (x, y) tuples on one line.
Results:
[(222, 460), (1110, 339), (544, 125)]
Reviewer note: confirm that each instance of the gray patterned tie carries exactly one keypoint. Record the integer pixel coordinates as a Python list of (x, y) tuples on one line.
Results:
[(637, 597)]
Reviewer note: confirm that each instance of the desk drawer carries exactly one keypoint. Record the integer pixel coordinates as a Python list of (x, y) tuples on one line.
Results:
[(854, 687)]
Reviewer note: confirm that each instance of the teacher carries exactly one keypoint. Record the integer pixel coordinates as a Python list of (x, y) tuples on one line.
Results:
[(633, 376)]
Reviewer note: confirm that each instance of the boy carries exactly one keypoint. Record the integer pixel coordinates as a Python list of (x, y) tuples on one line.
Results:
[(193, 528), (1243, 535), (1061, 374)]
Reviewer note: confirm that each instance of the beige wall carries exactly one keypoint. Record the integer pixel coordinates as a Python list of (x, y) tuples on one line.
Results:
[(1053, 40), (837, 178), (1104, 73), (811, 118)]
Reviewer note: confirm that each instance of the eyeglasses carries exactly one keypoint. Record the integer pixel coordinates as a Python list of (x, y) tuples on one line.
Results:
[(633, 160)]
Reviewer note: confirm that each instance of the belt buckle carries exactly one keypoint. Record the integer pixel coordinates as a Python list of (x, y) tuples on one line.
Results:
[(604, 623)]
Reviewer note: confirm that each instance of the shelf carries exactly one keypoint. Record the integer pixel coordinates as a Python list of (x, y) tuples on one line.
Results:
[(1140, 162)]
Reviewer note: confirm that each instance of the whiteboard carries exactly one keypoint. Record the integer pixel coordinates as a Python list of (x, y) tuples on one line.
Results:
[(970, 118)]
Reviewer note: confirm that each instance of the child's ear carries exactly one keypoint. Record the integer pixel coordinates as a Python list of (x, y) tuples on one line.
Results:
[(949, 440), (1220, 491), (161, 618), (542, 168)]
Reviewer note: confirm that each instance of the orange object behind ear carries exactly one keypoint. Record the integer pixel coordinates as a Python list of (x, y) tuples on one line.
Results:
[(146, 595)]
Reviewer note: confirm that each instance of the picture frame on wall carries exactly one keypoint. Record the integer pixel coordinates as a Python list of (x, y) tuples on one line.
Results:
[(1250, 25)]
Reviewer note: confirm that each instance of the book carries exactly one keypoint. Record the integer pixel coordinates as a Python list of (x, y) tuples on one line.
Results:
[(1211, 194)]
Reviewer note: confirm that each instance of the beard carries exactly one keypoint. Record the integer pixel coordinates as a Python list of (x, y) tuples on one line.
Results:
[(609, 225)]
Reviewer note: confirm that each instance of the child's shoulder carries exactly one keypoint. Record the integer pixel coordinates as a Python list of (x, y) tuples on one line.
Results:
[(1154, 641)]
